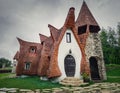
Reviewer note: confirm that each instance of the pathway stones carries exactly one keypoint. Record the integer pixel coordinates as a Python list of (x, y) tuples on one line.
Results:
[(95, 88), (2, 92), (37, 91)]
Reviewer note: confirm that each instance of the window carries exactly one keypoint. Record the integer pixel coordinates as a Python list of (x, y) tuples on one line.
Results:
[(82, 29), (68, 37), (94, 29), (42, 43), (27, 65), (33, 49)]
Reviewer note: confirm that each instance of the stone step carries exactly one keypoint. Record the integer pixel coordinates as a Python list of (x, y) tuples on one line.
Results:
[(71, 78), (71, 81)]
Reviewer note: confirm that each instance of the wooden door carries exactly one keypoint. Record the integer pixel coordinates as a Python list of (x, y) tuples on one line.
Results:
[(69, 65)]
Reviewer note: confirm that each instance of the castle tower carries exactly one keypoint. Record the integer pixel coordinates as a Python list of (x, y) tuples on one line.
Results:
[(87, 29)]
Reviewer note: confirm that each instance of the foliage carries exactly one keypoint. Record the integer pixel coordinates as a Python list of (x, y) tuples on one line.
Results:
[(118, 32), (4, 63), (85, 77), (110, 39)]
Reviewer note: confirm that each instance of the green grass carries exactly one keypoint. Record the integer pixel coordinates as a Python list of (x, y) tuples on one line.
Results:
[(27, 83), (113, 80), (4, 75), (113, 70), (113, 73)]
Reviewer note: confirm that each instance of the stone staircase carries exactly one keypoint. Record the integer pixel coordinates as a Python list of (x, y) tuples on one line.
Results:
[(71, 81)]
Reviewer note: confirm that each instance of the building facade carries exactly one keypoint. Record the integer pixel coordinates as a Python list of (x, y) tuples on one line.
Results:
[(68, 52)]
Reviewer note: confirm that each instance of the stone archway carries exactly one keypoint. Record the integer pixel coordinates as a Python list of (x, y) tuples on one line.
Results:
[(94, 68), (69, 65)]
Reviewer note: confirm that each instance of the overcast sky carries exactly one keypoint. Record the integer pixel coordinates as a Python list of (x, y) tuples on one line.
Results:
[(27, 18)]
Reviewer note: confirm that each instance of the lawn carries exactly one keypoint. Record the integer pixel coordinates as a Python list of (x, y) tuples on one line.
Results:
[(113, 75), (113, 70), (26, 83)]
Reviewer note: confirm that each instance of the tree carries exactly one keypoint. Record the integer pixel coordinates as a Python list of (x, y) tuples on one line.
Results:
[(4, 63), (110, 40), (104, 37), (105, 44), (112, 37), (118, 42), (118, 32)]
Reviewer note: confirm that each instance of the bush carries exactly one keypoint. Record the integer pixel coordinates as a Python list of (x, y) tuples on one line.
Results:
[(5, 71)]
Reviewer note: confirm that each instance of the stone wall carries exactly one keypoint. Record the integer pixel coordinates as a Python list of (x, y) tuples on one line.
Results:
[(94, 49)]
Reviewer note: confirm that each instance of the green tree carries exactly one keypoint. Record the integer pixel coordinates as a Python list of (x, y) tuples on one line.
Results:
[(118, 33), (105, 44), (4, 63), (118, 42), (110, 39), (104, 37)]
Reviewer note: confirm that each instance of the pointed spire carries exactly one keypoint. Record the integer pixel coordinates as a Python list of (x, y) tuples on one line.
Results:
[(70, 20), (54, 32), (42, 37), (20, 41), (85, 16)]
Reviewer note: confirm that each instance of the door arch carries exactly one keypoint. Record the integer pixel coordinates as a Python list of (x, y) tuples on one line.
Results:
[(69, 65), (94, 69)]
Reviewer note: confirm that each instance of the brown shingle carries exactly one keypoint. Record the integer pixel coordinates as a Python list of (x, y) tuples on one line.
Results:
[(28, 54), (85, 16)]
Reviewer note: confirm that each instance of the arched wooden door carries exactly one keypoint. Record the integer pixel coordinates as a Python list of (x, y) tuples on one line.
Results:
[(94, 69), (69, 65)]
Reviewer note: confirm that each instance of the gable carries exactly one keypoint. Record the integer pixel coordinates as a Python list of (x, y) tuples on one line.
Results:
[(69, 46)]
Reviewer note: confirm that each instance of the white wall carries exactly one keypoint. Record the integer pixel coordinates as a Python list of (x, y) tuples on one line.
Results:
[(63, 51)]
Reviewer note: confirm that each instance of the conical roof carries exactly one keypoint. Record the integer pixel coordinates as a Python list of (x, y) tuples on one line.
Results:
[(85, 16)]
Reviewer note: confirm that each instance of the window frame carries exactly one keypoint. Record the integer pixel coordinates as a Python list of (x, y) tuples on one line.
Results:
[(27, 66), (33, 49), (68, 37)]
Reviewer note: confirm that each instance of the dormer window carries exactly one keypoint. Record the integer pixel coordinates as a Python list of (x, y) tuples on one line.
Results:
[(33, 49), (68, 37)]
